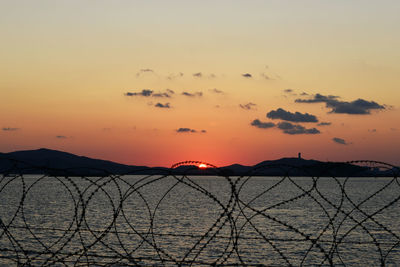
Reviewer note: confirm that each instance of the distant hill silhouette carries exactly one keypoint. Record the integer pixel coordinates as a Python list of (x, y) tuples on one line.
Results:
[(62, 163)]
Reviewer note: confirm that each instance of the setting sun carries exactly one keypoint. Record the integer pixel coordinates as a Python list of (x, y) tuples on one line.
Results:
[(202, 166)]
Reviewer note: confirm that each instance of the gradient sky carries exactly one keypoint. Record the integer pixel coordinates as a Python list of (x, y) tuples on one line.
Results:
[(67, 68)]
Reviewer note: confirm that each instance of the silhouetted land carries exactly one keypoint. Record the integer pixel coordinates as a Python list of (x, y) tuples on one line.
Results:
[(53, 162)]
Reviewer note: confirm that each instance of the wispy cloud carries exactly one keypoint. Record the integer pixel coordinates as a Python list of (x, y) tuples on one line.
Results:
[(248, 106), (198, 75), (215, 90), (195, 94), (161, 95), (61, 137), (339, 141), (143, 71), (10, 129), (265, 76), (324, 123), (175, 76)]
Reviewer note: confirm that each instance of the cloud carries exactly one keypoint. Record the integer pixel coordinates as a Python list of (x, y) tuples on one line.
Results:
[(248, 106), (142, 71), (262, 125), (288, 91), (372, 130), (339, 141), (146, 70), (324, 123), (161, 95), (61, 137), (198, 74), (199, 94), (265, 76), (159, 105), (289, 128), (174, 76), (289, 116), (10, 129), (286, 127), (144, 92), (247, 75), (215, 90), (148, 93), (359, 106), (189, 130)]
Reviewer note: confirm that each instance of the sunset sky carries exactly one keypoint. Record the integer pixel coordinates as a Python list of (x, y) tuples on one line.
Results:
[(158, 82)]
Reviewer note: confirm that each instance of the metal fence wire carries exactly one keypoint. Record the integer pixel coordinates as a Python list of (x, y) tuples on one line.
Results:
[(170, 218)]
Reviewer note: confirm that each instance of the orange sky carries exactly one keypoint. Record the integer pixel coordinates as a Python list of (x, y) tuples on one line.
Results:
[(66, 67)]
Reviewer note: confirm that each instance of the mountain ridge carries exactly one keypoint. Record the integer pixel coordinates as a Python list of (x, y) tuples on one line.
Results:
[(44, 160)]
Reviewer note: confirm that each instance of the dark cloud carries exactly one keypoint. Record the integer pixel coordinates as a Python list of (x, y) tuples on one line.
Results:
[(198, 74), (185, 130), (339, 141), (324, 123), (372, 130), (247, 75), (318, 98), (215, 90), (10, 129), (148, 93), (189, 130), (286, 127), (159, 105), (288, 91), (289, 116), (359, 106), (262, 125), (248, 106), (289, 128), (199, 94), (144, 92), (61, 137)]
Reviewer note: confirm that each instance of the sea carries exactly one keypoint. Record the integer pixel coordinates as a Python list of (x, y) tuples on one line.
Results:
[(182, 220)]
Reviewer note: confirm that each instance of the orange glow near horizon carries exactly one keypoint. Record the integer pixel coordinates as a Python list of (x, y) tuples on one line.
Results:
[(106, 85)]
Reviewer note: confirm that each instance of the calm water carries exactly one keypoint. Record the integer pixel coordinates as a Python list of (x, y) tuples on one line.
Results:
[(137, 220)]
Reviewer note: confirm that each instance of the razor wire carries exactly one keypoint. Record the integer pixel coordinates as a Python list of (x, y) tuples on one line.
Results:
[(166, 217)]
